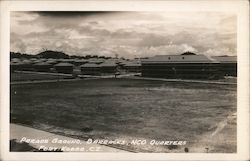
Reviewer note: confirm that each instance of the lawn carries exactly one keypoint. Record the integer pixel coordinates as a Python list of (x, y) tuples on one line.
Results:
[(124, 108), (16, 77)]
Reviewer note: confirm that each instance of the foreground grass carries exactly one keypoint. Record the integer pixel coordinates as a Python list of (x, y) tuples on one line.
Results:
[(17, 77), (124, 108)]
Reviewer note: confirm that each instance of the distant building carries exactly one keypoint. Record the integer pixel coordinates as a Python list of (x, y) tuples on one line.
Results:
[(90, 69), (71, 61), (185, 66), (15, 60), (26, 61), (24, 65), (37, 61), (132, 67), (66, 68), (228, 65), (43, 67), (14, 66), (95, 61), (108, 67), (33, 59), (79, 62), (52, 61)]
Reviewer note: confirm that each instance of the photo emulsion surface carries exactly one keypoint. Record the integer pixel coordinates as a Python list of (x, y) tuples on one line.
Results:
[(124, 82)]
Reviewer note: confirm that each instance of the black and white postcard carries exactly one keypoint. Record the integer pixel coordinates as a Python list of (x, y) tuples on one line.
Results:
[(106, 80)]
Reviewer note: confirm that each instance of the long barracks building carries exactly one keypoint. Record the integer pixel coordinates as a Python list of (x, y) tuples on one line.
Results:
[(185, 66), (228, 65)]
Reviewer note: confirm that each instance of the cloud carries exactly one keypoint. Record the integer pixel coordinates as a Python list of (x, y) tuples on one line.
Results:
[(128, 34), (150, 40)]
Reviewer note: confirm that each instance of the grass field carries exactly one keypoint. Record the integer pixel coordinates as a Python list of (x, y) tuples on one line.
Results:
[(125, 108), (16, 77)]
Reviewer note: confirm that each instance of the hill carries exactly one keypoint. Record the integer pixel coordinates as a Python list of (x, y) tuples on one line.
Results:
[(52, 54)]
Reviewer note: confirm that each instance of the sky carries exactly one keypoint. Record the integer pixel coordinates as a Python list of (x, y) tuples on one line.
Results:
[(127, 34)]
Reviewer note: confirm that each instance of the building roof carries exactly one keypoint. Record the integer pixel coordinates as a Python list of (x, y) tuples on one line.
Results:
[(27, 61), (226, 59), (95, 60), (133, 63), (16, 63), (179, 59), (37, 61), (108, 64), (51, 61), (15, 60), (81, 61), (90, 65), (43, 59), (33, 59), (67, 60), (122, 62), (42, 64), (63, 64)]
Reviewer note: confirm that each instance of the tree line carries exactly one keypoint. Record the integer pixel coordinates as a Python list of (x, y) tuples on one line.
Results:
[(53, 54)]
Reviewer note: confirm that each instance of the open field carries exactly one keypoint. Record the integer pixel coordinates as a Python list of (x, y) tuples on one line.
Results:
[(127, 109), (17, 77)]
